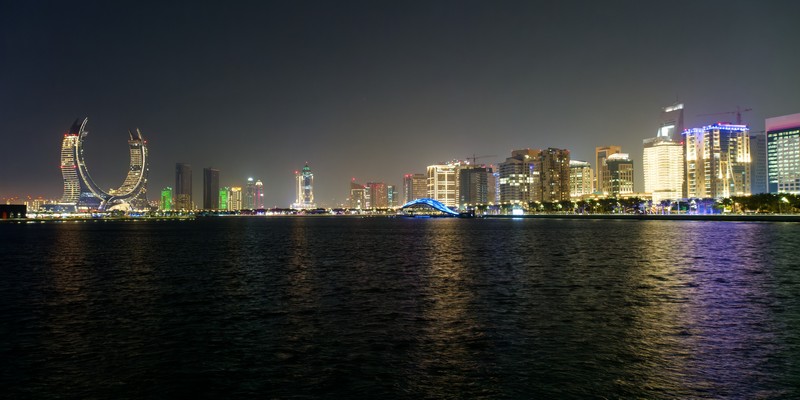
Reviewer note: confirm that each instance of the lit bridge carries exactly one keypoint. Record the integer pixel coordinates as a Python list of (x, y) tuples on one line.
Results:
[(428, 202)]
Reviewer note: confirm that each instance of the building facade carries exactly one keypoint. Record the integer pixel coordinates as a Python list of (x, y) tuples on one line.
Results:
[(415, 186), (758, 163), (305, 189), (553, 182), (166, 199), (717, 161), (210, 189), (663, 162), (620, 171), (258, 195), (580, 179), (473, 186), (517, 177), (783, 154), (224, 198), (235, 198), (442, 183), (183, 187), (602, 183), (249, 195), (672, 123)]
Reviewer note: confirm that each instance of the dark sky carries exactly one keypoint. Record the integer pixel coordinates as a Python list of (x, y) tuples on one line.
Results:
[(372, 89)]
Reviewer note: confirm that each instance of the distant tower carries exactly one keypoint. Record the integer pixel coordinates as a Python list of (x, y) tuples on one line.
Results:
[(672, 123), (602, 182), (620, 171), (183, 186), (258, 195), (305, 188), (224, 198), (580, 178), (249, 197), (782, 154), (166, 199), (235, 199), (718, 161), (210, 189)]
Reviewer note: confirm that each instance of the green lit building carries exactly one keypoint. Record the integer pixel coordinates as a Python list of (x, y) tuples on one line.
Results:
[(166, 199), (223, 198)]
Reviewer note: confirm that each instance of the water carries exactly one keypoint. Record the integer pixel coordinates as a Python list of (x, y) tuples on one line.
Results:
[(400, 308)]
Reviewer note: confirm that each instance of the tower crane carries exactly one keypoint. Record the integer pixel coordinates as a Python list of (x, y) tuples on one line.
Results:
[(738, 114), (475, 158)]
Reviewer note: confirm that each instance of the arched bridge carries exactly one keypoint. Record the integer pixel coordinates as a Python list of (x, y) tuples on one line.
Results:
[(436, 205)]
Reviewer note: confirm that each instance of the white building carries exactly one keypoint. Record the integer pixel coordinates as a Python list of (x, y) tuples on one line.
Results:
[(663, 168)]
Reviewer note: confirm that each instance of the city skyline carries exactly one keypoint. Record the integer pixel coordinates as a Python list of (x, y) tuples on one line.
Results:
[(363, 94)]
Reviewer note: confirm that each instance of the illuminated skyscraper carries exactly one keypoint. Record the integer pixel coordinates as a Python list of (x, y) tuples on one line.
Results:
[(580, 178), (602, 183), (620, 170), (166, 199), (672, 123), (259, 195), (210, 189), (305, 189), (183, 187), (224, 195), (783, 154), (358, 199), (553, 178), (391, 192), (473, 186), (378, 195), (717, 161), (517, 176), (235, 199), (663, 163), (758, 164), (415, 186), (443, 182), (249, 196)]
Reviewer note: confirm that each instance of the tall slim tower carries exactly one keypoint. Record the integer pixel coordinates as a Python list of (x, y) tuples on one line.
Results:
[(210, 189), (305, 189), (259, 195), (249, 196), (183, 186)]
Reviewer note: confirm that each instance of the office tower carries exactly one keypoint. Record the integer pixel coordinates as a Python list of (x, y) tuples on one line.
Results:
[(258, 195), (210, 189), (443, 182), (783, 154), (224, 195), (758, 163), (580, 178), (235, 199), (473, 186), (391, 191), (663, 163), (517, 177), (672, 123), (620, 171), (717, 161), (249, 196), (183, 187), (305, 188), (415, 186), (358, 198), (553, 183), (378, 195), (166, 199), (602, 183)]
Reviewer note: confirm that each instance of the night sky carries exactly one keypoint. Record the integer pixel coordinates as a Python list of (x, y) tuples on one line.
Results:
[(372, 90)]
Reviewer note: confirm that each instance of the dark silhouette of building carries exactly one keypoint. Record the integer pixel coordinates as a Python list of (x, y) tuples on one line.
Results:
[(183, 186), (210, 189)]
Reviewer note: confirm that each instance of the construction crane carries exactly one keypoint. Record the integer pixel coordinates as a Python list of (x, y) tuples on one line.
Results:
[(738, 114), (475, 158)]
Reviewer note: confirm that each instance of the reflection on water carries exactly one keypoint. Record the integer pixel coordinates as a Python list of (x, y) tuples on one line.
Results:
[(403, 308)]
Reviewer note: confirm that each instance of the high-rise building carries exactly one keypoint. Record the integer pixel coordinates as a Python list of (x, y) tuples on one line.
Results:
[(443, 182), (672, 123), (580, 178), (166, 199), (210, 189), (183, 187), (391, 192), (758, 163), (224, 196), (473, 186), (249, 195), (258, 195), (415, 186), (235, 199), (663, 168), (378, 195), (602, 183), (620, 170), (359, 197), (553, 178), (717, 161), (305, 189), (517, 178), (783, 154)]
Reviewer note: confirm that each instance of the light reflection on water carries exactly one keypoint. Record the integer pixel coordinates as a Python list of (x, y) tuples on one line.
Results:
[(401, 308)]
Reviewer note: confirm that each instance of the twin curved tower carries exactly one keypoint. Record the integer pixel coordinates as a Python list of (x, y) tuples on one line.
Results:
[(79, 188)]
